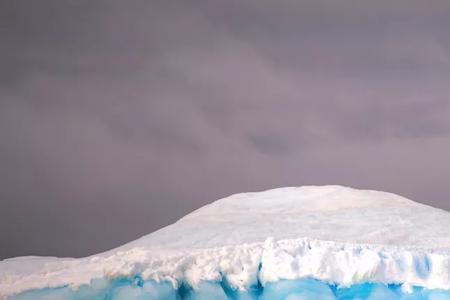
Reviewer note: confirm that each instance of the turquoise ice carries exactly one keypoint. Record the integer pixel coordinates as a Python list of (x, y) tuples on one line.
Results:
[(306, 289)]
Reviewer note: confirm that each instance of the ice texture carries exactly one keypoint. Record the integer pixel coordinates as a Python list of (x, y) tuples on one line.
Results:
[(304, 289), (313, 242)]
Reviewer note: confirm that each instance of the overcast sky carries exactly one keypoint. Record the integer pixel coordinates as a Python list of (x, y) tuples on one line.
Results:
[(119, 117)]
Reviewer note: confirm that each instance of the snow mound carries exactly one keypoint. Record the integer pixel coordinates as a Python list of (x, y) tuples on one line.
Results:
[(255, 244)]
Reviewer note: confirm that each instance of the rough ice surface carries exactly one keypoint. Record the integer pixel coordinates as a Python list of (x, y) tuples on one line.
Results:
[(313, 242), (302, 289)]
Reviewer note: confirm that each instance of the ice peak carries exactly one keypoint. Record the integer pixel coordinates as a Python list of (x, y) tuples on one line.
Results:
[(291, 200)]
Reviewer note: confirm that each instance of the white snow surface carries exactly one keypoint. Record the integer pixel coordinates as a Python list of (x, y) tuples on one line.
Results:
[(332, 233)]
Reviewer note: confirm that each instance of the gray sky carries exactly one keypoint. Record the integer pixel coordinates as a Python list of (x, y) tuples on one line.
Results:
[(119, 117)]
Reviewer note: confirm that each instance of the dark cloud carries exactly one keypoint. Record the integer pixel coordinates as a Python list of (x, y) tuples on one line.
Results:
[(118, 118)]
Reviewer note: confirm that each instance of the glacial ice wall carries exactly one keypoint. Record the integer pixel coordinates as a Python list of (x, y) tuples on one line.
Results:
[(306, 289), (314, 242), (288, 269)]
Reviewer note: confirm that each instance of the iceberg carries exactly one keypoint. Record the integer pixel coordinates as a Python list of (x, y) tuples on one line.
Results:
[(293, 243)]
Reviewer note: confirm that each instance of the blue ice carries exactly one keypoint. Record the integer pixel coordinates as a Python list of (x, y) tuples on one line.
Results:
[(305, 289)]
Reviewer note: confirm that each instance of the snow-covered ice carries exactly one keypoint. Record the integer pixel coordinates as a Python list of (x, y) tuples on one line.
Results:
[(312, 242)]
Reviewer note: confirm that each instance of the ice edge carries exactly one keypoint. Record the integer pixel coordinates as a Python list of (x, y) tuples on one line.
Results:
[(247, 265)]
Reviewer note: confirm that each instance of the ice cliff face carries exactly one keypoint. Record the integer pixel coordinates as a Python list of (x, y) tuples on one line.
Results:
[(327, 242)]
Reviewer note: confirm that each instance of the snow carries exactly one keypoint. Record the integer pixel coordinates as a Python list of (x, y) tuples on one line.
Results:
[(321, 242)]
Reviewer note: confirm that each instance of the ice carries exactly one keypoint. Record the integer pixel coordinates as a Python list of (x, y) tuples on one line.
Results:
[(313, 242), (297, 290), (306, 289), (124, 289), (206, 291), (145, 291)]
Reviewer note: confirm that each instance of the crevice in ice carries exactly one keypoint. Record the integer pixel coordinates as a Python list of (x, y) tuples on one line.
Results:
[(423, 266), (183, 291), (230, 292)]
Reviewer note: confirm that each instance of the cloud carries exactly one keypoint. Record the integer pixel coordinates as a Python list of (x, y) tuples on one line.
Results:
[(116, 119)]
